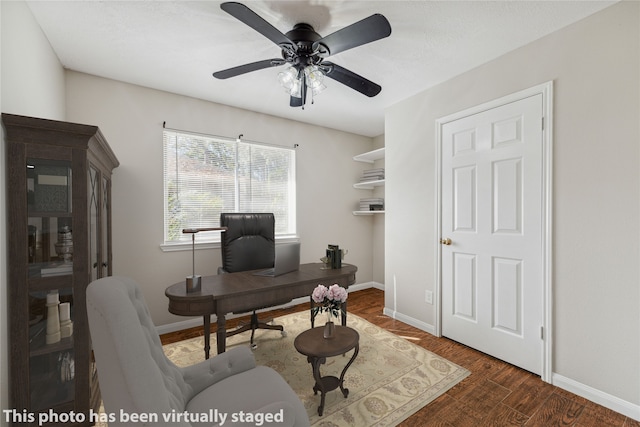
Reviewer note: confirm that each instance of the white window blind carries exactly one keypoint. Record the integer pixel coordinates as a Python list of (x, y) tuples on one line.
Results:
[(206, 175)]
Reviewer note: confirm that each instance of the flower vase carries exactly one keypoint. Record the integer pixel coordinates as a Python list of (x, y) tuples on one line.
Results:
[(329, 327)]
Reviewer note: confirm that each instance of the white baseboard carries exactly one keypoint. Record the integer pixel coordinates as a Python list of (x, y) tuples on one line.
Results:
[(197, 321), (623, 407), (410, 321), (366, 285), (614, 403), (191, 322)]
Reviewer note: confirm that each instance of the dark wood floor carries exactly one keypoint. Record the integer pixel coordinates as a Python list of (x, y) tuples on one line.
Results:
[(495, 394)]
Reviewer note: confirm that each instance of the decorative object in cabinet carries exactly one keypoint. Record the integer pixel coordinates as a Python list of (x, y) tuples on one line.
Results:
[(59, 220), (371, 179)]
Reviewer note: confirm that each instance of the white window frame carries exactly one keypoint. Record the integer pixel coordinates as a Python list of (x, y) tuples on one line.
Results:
[(286, 230)]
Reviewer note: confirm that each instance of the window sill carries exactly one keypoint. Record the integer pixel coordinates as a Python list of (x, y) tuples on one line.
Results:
[(187, 246)]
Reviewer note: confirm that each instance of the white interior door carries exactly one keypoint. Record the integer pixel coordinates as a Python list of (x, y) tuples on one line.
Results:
[(492, 231)]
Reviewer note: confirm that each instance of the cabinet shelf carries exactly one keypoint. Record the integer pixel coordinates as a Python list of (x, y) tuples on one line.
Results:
[(50, 283), (39, 347), (42, 214)]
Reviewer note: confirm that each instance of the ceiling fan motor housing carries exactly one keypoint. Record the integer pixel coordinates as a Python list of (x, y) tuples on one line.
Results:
[(307, 51)]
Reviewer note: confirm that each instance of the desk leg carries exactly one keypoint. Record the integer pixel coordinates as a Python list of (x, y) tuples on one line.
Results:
[(221, 334), (207, 335)]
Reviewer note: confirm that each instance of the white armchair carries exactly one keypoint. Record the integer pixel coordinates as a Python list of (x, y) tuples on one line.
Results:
[(136, 378)]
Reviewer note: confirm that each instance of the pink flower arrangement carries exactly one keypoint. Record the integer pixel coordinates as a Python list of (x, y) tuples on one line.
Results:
[(329, 299)]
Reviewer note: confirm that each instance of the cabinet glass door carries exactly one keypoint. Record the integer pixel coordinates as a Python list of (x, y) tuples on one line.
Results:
[(51, 350), (94, 215), (50, 229), (105, 222), (50, 285)]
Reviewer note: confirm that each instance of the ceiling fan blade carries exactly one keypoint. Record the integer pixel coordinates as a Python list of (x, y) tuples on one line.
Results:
[(370, 29), (247, 68), (295, 102), (255, 21), (351, 79)]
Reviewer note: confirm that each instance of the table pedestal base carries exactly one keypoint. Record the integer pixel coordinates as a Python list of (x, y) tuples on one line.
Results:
[(328, 383)]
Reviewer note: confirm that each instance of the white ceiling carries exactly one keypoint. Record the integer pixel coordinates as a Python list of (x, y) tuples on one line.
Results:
[(175, 46)]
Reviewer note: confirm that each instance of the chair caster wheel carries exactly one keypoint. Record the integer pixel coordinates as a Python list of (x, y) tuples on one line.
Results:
[(283, 333), (254, 346)]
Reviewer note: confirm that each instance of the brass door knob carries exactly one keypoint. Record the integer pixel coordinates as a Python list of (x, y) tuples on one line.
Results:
[(446, 241)]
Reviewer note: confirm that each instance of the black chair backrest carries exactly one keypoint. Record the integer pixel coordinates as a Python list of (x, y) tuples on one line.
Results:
[(249, 242)]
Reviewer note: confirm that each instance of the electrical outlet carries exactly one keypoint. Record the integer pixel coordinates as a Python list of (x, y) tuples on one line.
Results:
[(428, 297)]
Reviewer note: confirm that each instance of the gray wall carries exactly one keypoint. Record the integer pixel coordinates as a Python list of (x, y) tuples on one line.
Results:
[(594, 65), (31, 84), (131, 119)]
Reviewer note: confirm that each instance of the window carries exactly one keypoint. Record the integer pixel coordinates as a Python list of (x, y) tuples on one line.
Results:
[(206, 175)]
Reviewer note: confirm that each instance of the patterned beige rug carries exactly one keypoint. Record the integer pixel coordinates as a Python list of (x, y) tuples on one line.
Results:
[(390, 379)]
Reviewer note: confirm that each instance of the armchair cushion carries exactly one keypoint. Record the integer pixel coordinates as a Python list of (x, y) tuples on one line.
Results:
[(214, 370), (242, 397)]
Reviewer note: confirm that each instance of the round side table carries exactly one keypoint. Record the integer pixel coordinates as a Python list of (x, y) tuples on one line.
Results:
[(312, 344)]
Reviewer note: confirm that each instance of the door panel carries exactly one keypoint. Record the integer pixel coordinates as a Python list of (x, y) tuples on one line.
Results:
[(507, 193), (507, 291), (492, 287), (464, 199), (464, 286)]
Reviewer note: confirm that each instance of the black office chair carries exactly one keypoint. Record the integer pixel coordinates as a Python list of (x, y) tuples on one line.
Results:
[(249, 244)]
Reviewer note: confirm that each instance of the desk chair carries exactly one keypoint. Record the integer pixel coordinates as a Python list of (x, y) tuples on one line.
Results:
[(249, 244)]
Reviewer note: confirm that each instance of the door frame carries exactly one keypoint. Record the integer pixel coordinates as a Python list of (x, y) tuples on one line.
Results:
[(546, 89)]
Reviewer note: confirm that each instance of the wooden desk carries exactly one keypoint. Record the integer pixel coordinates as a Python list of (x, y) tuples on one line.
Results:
[(244, 292)]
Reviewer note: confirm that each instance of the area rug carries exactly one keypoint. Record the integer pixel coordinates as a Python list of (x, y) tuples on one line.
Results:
[(390, 379)]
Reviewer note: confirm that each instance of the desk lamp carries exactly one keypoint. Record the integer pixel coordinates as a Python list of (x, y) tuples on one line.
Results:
[(194, 282)]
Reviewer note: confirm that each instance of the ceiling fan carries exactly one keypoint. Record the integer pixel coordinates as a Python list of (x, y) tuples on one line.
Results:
[(305, 51)]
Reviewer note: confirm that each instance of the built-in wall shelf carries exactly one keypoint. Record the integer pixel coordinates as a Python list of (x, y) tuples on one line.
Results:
[(371, 156), (367, 212), (368, 185), (372, 178)]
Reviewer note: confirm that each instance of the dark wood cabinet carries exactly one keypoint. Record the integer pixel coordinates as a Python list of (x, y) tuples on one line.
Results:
[(59, 240)]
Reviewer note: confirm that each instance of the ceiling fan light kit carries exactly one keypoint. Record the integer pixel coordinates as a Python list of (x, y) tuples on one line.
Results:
[(305, 52), (292, 79)]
